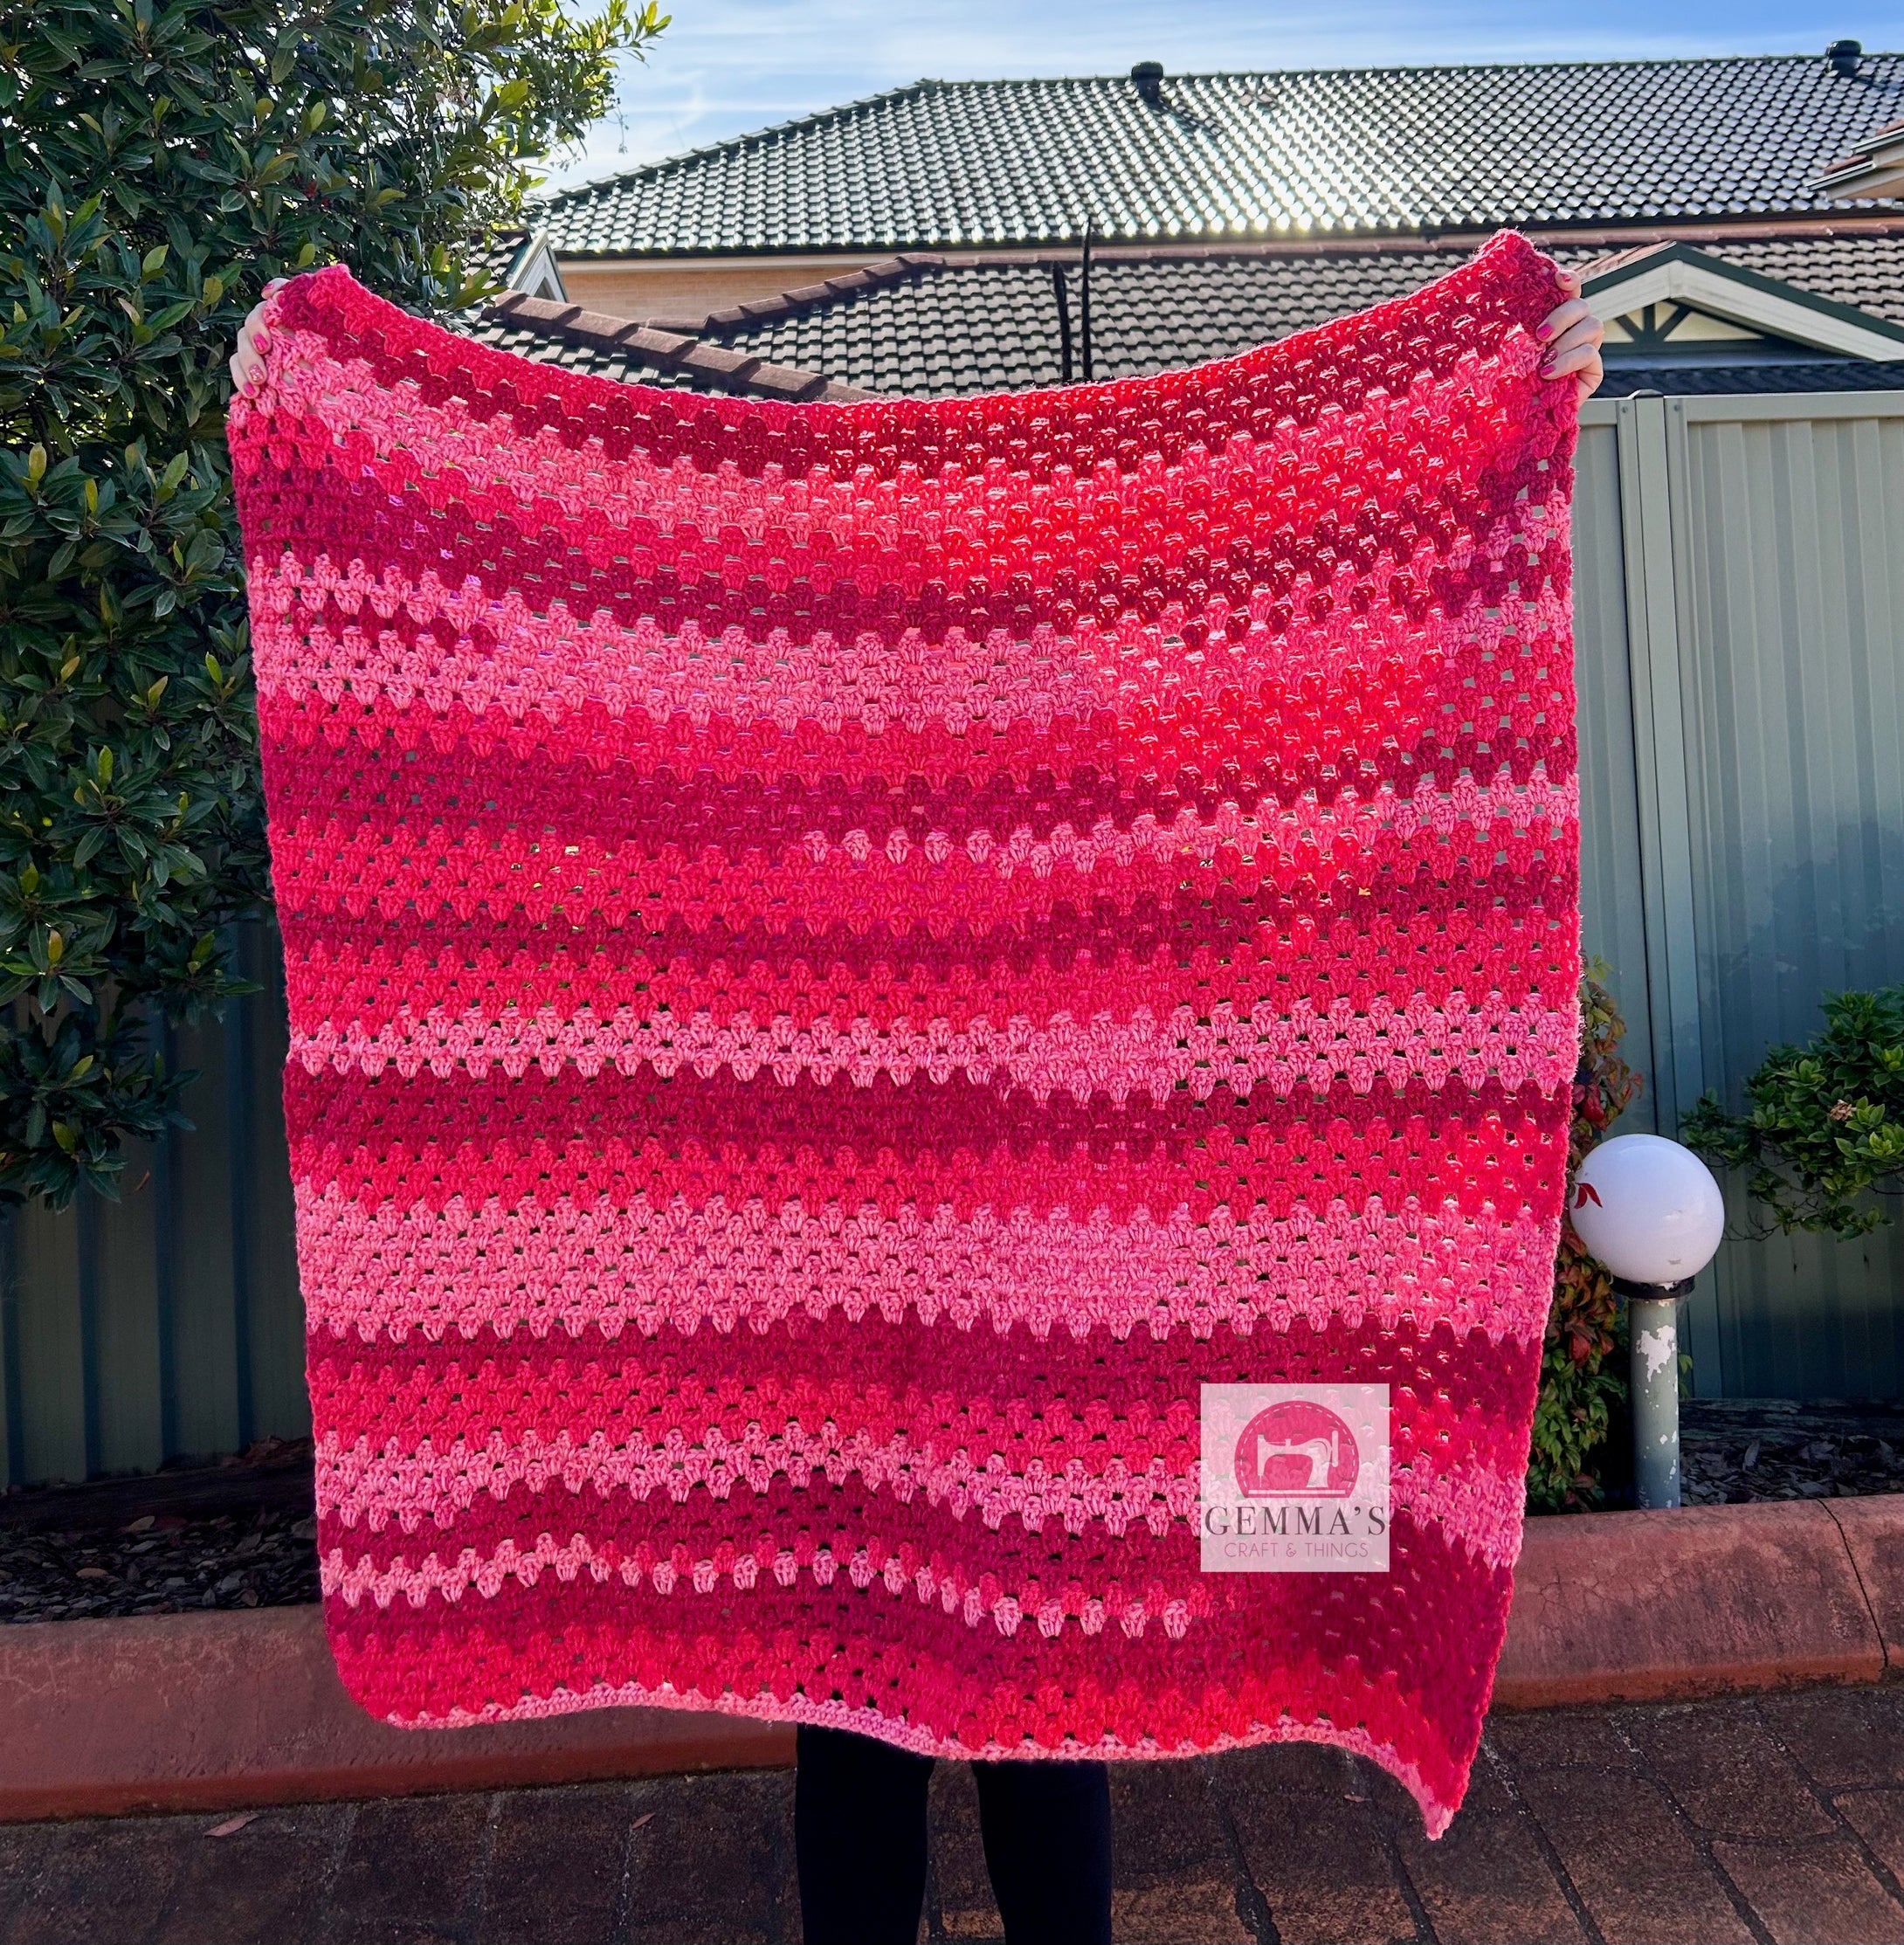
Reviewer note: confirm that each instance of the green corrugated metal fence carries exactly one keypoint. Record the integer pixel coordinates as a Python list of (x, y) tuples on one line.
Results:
[(1789, 522), (1739, 608), (168, 1322), (1739, 625)]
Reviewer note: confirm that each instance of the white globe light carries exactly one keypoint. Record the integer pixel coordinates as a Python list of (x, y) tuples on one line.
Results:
[(1648, 1209)]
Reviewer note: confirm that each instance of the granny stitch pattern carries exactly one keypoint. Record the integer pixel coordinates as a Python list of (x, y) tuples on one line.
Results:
[(845, 959)]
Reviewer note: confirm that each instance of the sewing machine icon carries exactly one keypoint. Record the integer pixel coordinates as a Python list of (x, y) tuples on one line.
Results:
[(1323, 1456), (1297, 1451)]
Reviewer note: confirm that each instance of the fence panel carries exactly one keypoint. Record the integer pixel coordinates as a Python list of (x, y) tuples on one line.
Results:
[(167, 1322), (1612, 916), (1788, 523)]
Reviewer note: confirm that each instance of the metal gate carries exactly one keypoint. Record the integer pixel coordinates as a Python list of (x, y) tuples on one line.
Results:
[(1738, 586)]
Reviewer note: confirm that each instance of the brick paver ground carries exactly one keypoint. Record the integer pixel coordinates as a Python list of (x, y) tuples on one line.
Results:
[(1779, 1819)]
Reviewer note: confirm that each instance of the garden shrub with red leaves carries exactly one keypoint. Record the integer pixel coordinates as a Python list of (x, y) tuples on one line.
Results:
[(1579, 1393)]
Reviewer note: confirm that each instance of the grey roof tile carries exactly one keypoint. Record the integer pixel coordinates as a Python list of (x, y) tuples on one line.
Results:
[(628, 364), (942, 165), (995, 326), (496, 256), (638, 353), (936, 328)]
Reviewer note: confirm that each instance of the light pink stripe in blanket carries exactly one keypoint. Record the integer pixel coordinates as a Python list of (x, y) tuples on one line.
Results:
[(1473, 1504), (385, 1271)]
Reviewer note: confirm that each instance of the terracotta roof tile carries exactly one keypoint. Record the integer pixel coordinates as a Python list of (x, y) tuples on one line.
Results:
[(663, 347), (730, 366), (639, 353), (786, 382)]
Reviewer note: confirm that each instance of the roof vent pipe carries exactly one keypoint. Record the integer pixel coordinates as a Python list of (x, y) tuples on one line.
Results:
[(1148, 76), (1844, 56), (1084, 297)]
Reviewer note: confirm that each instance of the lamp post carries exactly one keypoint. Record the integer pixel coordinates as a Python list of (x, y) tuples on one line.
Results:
[(1652, 1213)]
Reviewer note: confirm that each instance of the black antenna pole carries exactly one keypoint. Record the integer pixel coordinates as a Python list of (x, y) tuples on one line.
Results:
[(1084, 297), (1063, 295)]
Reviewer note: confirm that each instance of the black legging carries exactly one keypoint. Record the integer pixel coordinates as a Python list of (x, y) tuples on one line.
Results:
[(859, 1834)]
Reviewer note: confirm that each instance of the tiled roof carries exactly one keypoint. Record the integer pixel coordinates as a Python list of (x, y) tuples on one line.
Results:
[(942, 165), (922, 326), (919, 324), (995, 326), (497, 256)]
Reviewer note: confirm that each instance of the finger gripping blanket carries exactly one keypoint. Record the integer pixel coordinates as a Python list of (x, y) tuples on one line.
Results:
[(845, 960)]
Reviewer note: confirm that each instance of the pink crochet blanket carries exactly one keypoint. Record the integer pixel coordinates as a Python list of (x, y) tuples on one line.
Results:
[(846, 960)]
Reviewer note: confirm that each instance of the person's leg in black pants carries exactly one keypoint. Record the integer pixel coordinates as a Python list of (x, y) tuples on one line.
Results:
[(1048, 1831), (860, 1837)]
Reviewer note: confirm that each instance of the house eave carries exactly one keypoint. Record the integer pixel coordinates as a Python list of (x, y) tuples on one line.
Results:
[(1744, 297)]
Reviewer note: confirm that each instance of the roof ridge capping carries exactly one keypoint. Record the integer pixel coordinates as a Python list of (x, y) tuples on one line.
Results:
[(878, 275), (731, 371), (1801, 58)]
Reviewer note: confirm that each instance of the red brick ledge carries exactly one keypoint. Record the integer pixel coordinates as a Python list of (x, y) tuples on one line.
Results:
[(212, 1711), (1706, 1601)]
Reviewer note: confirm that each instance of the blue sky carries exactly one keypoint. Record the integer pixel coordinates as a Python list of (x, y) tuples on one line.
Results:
[(726, 66)]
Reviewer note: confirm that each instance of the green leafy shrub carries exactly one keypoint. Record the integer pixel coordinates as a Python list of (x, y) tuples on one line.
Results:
[(158, 164), (1823, 1134), (1579, 1394)]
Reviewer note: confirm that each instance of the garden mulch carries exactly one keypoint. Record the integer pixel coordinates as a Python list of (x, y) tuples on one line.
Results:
[(237, 1534), (1734, 1449), (241, 1534)]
